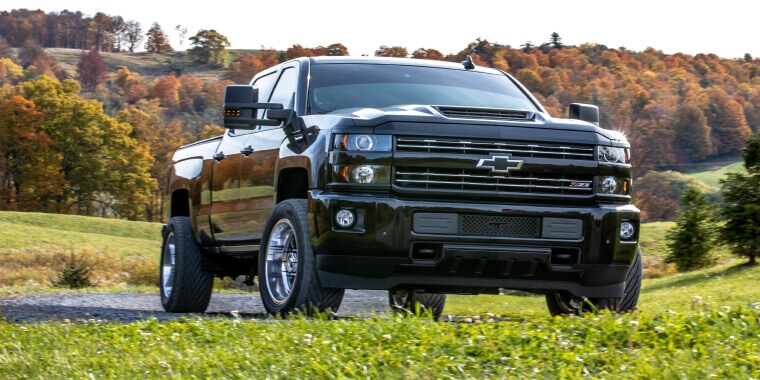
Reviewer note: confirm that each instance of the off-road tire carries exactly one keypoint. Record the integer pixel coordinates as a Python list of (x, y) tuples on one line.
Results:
[(288, 278), (416, 303), (561, 303), (185, 287)]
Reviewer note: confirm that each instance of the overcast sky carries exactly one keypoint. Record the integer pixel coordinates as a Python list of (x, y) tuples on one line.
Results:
[(727, 28)]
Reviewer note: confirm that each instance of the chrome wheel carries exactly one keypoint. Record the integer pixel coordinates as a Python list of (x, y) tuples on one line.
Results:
[(399, 298), (281, 262), (167, 266)]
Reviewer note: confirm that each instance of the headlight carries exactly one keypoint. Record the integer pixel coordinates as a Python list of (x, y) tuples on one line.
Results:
[(613, 185), (362, 143), (614, 155), (377, 174)]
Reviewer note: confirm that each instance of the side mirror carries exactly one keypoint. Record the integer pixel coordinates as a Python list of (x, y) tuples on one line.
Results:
[(241, 107), (585, 112)]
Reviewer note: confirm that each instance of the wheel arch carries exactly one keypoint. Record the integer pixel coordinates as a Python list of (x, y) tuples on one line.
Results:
[(292, 183)]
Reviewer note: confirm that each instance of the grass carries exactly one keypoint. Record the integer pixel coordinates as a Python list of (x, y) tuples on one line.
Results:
[(712, 174), (35, 245), (703, 344), (692, 325)]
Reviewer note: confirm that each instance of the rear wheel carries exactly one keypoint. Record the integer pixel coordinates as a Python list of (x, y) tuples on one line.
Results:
[(288, 279), (185, 285), (405, 301), (562, 303)]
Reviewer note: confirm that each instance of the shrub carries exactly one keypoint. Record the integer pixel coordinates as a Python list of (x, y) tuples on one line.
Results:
[(75, 271)]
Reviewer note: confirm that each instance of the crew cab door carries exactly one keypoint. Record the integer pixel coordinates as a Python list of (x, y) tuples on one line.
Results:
[(225, 188), (257, 187)]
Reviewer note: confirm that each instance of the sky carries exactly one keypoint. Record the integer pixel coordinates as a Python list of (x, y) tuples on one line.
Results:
[(727, 28)]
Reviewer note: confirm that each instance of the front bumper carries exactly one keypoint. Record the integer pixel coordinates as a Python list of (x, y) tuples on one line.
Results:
[(469, 247)]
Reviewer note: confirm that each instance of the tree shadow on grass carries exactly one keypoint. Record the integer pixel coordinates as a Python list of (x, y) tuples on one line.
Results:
[(694, 278)]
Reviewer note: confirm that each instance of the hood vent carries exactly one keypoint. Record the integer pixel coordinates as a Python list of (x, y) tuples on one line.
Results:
[(484, 113)]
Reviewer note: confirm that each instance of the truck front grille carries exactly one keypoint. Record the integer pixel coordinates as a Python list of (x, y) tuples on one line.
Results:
[(490, 147), (481, 180)]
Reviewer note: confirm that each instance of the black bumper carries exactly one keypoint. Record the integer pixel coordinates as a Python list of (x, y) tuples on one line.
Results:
[(471, 248)]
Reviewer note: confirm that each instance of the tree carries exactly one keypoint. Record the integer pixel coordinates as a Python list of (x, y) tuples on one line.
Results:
[(693, 132), (337, 49), (27, 162), (5, 48), (162, 140), (33, 56), (728, 123), (556, 41), (209, 46), (101, 29), (741, 211), (157, 41), (691, 240), (423, 53), (133, 34), (106, 172), (119, 32), (182, 32), (243, 68), (392, 51), (92, 69)]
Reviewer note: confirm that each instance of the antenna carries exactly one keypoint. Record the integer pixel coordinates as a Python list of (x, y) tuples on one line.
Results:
[(468, 63)]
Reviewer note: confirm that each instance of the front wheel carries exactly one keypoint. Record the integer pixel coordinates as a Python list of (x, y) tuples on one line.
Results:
[(288, 279), (185, 285), (404, 301), (561, 303)]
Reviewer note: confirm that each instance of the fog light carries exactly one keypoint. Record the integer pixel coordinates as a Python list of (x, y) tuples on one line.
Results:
[(627, 230), (364, 174), (345, 218)]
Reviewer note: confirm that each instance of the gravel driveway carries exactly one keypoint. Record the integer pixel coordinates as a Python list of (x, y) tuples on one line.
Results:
[(135, 307)]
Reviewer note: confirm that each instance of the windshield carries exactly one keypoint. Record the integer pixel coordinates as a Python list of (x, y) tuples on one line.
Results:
[(335, 87)]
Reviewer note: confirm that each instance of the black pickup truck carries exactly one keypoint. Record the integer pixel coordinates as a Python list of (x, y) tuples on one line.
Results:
[(423, 178)]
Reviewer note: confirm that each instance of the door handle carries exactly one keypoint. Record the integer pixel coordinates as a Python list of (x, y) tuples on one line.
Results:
[(247, 151), (219, 156)]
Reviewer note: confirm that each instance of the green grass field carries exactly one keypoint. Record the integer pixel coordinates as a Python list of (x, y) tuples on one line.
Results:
[(714, 173), (692, 325)]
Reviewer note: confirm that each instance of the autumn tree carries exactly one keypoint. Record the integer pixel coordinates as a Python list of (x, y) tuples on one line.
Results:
[(102, 30), (242, 69), (92, 69), (337, 49), (166, 89), (693, 132), (33, 57), (157, 41), (106, 171), (391, 51), (161, 140), (27, 163), (691, 240), (728, 124), (209, 46), (5, 48), (131, 85), (423, 53), (741, 210)]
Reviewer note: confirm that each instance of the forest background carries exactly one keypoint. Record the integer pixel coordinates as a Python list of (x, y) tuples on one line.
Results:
[(88, 125)]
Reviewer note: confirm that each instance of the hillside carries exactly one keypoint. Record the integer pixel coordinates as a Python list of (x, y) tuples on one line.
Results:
[(149, 65)]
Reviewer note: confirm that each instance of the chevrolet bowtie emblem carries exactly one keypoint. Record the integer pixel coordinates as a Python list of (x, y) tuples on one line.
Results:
[(500, 164)]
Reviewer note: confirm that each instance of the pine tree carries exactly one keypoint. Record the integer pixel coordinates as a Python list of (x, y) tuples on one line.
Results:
[(692, 238), (741, 191)]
